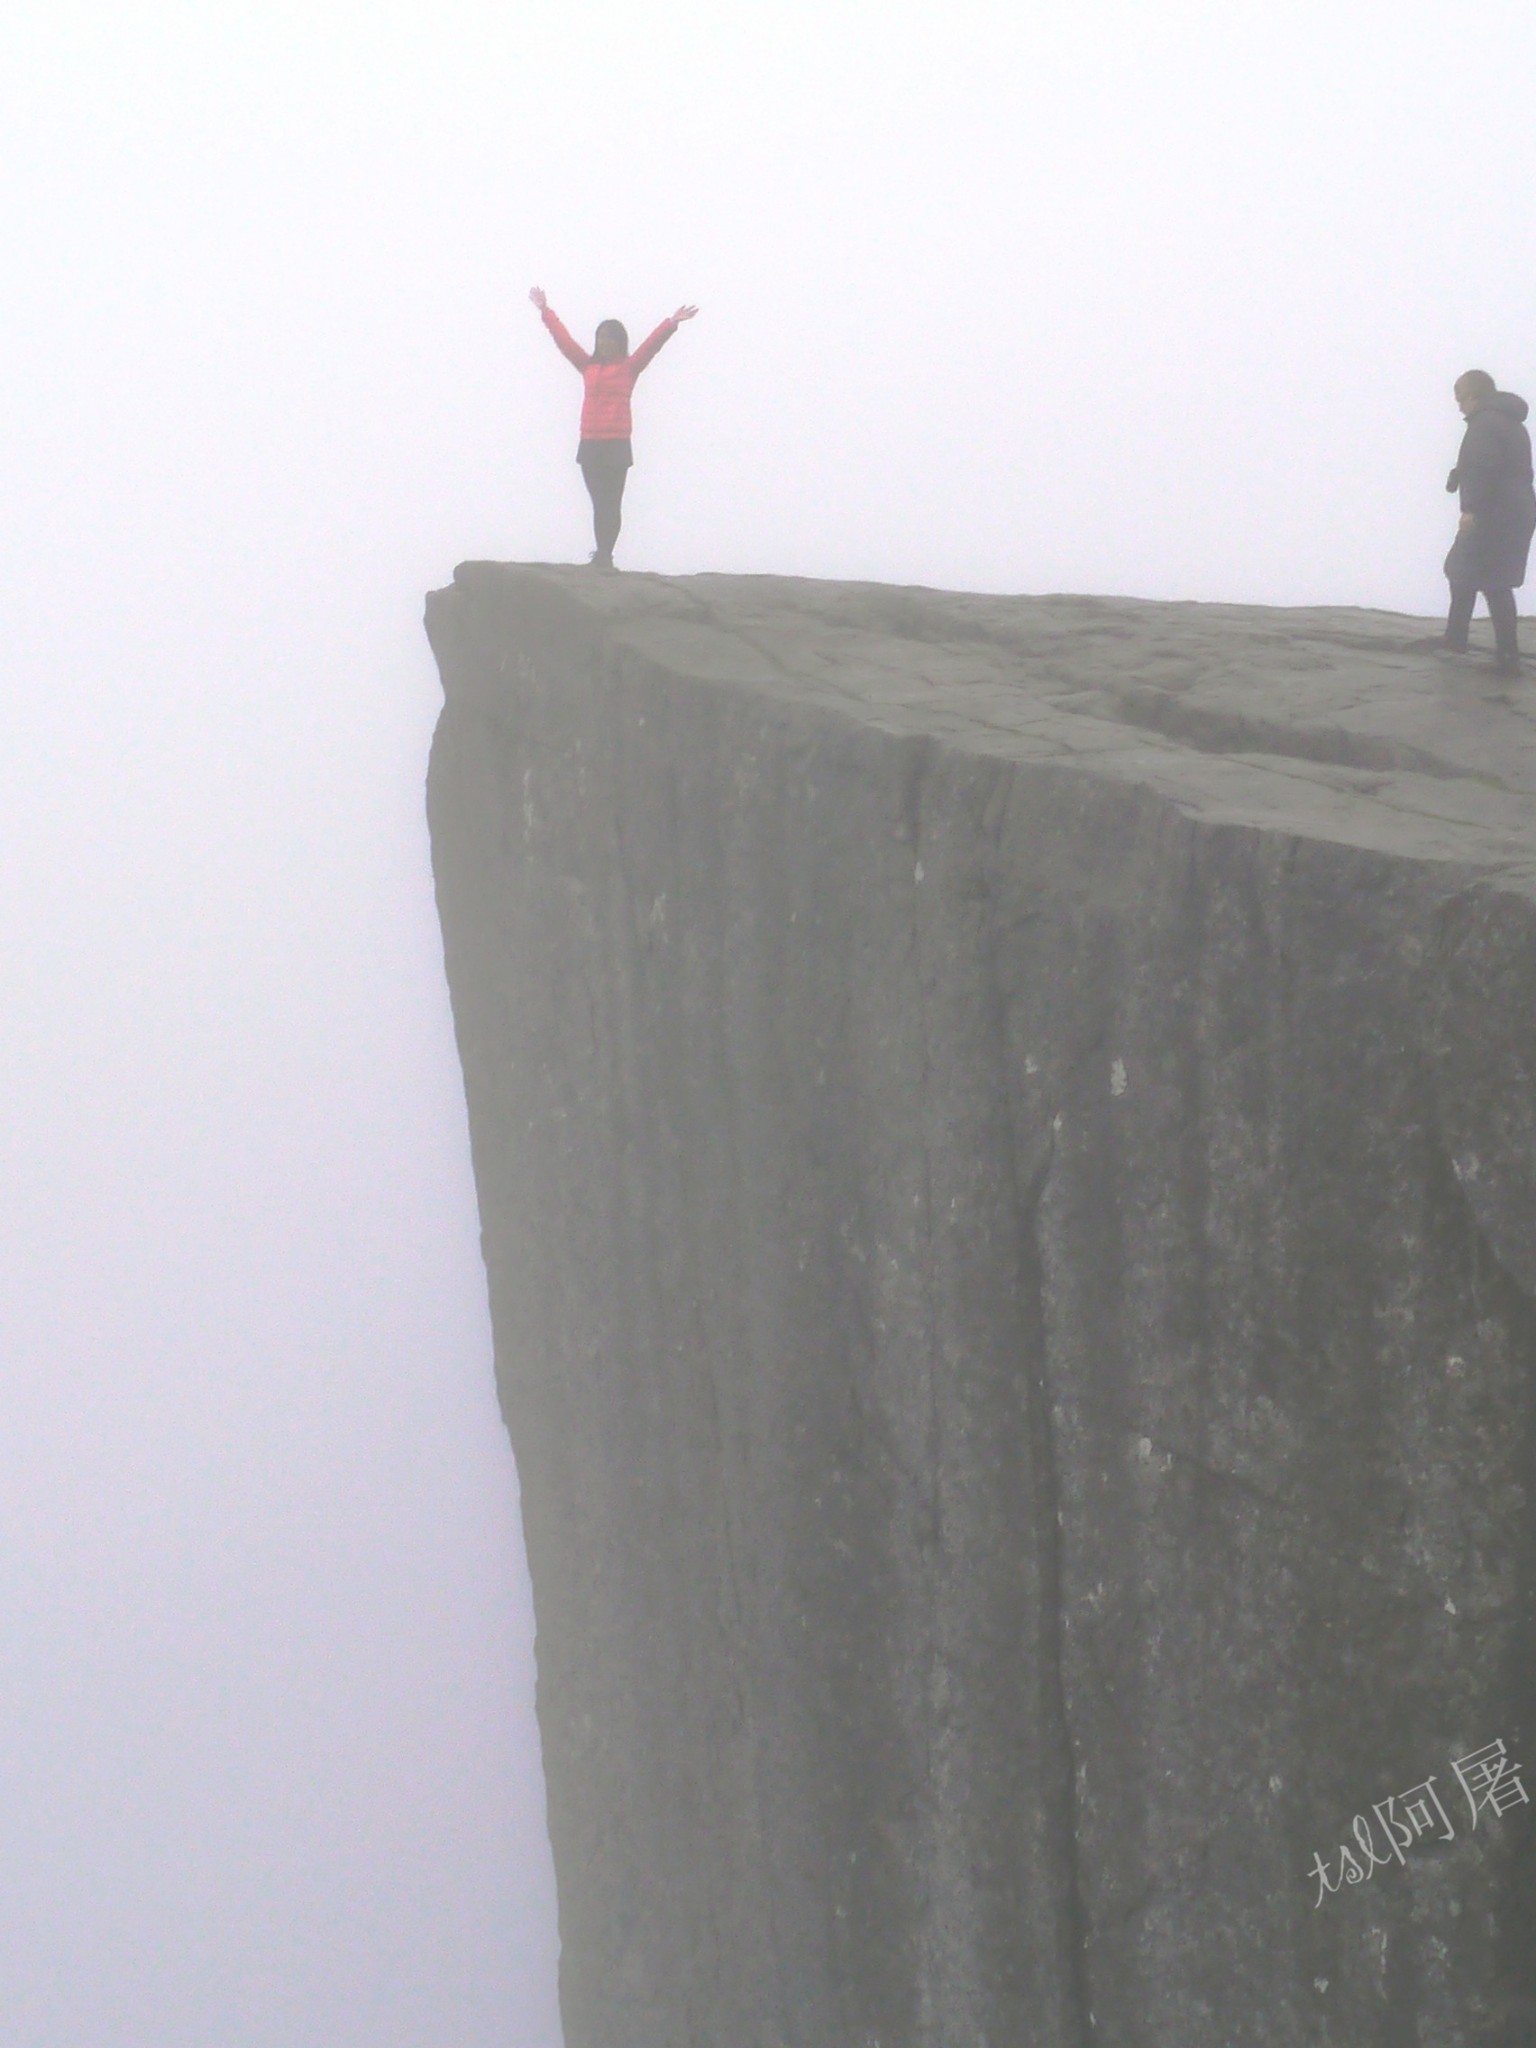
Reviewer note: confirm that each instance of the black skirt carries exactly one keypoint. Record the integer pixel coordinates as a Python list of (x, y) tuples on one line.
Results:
[(603, 458)]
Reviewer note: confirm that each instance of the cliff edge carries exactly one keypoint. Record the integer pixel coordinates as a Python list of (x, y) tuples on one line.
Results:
[(1006, 1149)]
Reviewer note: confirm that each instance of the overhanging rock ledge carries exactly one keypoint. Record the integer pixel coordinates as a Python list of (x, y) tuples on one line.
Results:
[(1006, 1150)]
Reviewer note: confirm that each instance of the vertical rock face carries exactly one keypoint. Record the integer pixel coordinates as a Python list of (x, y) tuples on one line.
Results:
[(1007, 1155)]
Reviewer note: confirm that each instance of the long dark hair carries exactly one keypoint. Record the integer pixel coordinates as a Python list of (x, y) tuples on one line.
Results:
[(614, 327)]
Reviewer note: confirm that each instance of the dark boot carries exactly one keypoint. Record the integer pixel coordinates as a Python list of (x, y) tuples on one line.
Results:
[(1458, 624), (1506, 631)]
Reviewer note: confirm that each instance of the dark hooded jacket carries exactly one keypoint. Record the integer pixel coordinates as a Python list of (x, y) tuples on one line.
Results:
[(1493, 476)]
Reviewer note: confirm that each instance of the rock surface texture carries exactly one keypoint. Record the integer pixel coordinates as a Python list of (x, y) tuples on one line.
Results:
[(1006, 1143)]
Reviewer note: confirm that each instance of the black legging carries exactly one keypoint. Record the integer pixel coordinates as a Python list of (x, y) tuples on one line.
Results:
[(606, 487), (1501, 609)]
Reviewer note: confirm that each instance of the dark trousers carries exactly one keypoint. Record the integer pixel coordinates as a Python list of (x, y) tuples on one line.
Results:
[(1501, 609), (604, 467)]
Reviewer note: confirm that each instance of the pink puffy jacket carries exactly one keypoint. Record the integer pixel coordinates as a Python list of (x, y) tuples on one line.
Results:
[(605, 407)]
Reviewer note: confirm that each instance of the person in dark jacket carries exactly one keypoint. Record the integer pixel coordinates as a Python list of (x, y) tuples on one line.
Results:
[(1498, 516), (608, 377)]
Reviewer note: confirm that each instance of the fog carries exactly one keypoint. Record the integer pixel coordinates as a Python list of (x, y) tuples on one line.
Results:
[(1154, 299)]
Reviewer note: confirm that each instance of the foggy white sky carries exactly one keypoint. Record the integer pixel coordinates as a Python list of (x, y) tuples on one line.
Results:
[(1158, 299)]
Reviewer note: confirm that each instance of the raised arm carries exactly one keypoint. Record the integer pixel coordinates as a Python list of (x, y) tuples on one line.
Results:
[(559, 333), (664, 333)]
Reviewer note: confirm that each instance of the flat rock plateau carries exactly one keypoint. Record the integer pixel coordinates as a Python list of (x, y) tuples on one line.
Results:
[(1006, 1148)]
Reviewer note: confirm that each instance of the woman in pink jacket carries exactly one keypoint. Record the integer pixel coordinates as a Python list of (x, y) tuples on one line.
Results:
[(609, 375)]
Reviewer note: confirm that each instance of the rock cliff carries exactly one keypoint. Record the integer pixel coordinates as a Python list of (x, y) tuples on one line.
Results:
[(1007, 1152)]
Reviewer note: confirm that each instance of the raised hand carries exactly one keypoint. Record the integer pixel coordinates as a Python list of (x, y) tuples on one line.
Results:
[(538, 298), (684, 313)]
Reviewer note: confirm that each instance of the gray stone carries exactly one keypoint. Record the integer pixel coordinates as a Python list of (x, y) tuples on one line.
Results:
[(1007, 1153)]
